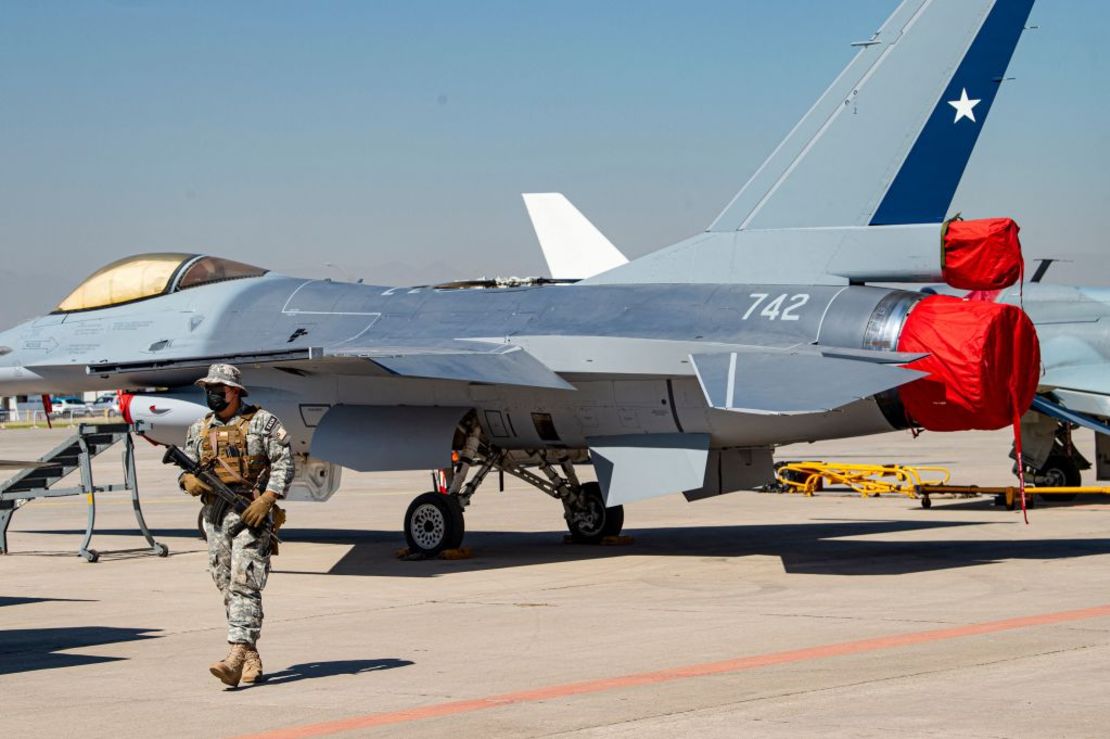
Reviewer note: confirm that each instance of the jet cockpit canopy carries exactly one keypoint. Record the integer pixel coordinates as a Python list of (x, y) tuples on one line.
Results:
[(148, 275)]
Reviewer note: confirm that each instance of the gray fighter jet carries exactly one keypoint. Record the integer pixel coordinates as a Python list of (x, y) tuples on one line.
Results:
[(679, 371), (1073, 324)]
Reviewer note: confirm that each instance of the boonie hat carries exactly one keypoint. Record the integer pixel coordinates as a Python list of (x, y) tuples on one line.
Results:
[(222, 374)]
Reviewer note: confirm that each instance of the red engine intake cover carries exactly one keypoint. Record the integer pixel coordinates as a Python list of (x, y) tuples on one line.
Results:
[(981, 255), (983, 366)]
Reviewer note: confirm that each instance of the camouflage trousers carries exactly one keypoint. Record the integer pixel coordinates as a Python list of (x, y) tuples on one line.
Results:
[(239, 566)]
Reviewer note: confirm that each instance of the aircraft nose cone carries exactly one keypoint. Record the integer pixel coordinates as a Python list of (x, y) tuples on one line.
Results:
[(984, 364)]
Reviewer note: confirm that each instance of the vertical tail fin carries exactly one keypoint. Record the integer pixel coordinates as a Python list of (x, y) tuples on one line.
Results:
[(887, 143), (572, 246)]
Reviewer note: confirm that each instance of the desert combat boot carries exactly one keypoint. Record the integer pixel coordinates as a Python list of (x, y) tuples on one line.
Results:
[(252, 666), (230, 668)]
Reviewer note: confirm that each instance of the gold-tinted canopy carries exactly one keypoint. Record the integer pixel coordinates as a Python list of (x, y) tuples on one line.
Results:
[(147, 275)]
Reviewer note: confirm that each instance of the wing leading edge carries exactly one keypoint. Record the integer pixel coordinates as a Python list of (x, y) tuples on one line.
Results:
[(462, 361)]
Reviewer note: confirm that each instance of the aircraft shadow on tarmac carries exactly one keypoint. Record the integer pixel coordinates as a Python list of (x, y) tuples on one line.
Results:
[(310, 670), (812, 547), (24, 650)]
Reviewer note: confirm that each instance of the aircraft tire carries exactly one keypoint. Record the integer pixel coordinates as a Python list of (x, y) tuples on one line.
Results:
[(434, 522), (595, 522), (1060, 471)]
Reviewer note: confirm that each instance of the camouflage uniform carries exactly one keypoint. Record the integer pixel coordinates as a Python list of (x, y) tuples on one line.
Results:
[(239, 561)]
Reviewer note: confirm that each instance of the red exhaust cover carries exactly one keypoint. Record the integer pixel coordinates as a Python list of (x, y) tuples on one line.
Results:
[(983, 366), (981, 255)]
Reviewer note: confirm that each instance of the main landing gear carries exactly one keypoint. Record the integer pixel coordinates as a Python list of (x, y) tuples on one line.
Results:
[(1063, 468), (434, 521)]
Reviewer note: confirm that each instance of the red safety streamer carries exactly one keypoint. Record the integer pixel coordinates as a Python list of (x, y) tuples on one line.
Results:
[(1020, 462), (1017, 415)]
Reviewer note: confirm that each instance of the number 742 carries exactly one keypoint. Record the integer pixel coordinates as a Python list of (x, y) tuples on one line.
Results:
[(774, 310)]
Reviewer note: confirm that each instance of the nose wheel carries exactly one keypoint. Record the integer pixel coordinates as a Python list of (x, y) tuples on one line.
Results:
[(434, 522)]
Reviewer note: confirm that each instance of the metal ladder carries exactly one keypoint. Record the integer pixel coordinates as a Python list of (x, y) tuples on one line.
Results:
[(76, 453)]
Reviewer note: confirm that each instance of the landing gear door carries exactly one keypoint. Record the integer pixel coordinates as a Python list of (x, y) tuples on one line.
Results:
[(313, 480)]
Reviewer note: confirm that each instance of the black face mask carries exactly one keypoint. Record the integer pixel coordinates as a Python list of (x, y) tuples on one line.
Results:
[(216, 399)]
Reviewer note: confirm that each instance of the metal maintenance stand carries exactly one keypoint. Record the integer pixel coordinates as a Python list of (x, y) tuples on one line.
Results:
[(76, 453)]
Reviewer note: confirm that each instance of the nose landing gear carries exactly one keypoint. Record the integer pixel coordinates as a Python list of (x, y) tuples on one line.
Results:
[(434, 522)]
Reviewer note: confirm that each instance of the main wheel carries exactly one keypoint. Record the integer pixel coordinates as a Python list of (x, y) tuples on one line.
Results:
[(591, 521), (1060, 472), (434, 522)]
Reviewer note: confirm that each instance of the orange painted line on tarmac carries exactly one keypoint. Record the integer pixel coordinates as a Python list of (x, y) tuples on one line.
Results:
[(677, 673)]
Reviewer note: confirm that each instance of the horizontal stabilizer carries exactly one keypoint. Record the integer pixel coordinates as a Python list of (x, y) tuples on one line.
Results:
[(871, 355), (787, 384), (640, 466)]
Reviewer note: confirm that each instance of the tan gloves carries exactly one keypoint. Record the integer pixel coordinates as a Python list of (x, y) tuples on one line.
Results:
[(192, 484), (257, 510)]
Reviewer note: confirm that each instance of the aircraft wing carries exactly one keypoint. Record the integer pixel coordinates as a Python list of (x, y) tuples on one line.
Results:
[(786, 384), (463, 361)]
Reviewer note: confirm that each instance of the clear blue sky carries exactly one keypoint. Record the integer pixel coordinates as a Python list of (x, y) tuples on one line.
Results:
[(393, 138)]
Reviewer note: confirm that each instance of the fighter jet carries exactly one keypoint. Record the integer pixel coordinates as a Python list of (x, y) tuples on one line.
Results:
[(1073, 323), (676, 372)]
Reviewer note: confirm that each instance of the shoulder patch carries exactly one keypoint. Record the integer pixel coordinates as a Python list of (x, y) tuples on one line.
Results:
[(271, 424)]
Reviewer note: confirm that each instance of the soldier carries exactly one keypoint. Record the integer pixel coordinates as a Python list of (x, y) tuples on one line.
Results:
[(248, 449)]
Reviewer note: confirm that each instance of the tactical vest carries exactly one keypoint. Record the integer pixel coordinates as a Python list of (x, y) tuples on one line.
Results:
[(225, 449)]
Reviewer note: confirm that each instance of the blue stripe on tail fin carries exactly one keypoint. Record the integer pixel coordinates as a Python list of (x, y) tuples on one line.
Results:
[(923, 188), (883, 145)]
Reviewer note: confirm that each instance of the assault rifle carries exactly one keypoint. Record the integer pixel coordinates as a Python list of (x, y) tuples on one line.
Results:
[(227, 496)]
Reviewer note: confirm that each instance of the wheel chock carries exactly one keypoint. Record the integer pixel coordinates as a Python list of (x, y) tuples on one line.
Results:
[(407, 555), (460, 553)]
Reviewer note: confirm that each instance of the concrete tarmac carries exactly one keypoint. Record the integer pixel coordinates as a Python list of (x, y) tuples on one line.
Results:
[(746, 615)]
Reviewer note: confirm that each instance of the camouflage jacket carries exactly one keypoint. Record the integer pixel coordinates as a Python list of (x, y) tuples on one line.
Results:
[(265, 436)]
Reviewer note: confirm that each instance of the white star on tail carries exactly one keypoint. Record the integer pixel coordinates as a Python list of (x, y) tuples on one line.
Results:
[(964, 107)]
